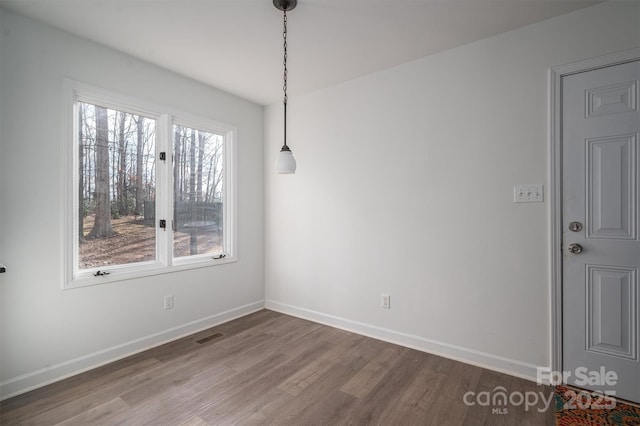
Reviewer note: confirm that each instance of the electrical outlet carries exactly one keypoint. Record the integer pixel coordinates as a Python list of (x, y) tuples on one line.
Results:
[(168, 301), (385, 301)]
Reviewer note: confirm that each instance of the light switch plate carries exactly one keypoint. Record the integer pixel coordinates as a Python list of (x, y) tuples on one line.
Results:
[(528, 193)]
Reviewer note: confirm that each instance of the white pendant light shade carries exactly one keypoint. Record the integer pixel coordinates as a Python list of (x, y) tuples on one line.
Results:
[(285, 163)]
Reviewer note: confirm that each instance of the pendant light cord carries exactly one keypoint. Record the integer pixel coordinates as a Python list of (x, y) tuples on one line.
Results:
[(284, 87)]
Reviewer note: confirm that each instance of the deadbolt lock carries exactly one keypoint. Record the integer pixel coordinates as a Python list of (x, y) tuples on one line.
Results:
[(575, 227)]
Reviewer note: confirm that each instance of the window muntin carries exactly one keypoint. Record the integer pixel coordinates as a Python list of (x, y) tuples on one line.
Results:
[(159, 188)]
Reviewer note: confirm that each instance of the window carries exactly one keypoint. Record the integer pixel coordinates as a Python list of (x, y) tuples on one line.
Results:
[(149, 189), (198, 178), (116, 187)]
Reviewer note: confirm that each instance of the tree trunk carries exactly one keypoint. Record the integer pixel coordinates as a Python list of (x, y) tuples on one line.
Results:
[(102, 223), (89, 160), (176, 168), (201, 143), (80, 176), (113, 160), (207, 195), (193, 241), (122, 167), (218, 170), (139, 149), (192, 167)]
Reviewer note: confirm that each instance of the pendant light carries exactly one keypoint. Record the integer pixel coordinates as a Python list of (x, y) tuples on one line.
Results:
[(285, 163)]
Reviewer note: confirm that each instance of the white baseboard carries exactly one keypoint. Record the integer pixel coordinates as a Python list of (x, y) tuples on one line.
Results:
[(469, 356), (45, 376)]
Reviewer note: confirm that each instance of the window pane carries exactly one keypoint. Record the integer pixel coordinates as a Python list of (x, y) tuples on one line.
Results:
[(117, 186), (198, 180)]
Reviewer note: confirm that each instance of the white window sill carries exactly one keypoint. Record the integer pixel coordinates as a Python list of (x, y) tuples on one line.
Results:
[(115, 274)]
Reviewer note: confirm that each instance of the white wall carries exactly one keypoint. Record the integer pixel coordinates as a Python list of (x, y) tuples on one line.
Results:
[(46, 332), (405, 186)]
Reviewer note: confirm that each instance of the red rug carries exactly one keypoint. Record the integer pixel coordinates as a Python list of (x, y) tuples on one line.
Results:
[(577, 407)]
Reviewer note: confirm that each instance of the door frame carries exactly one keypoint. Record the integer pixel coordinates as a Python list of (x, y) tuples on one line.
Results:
[(555, 182)]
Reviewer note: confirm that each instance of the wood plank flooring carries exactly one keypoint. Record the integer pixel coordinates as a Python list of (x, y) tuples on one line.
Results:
[(269, 368)]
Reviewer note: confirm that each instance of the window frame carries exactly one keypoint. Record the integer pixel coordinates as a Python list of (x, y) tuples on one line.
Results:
[(166, 117)]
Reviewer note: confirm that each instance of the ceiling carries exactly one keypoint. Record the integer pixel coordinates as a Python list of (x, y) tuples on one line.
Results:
[(236, 45)]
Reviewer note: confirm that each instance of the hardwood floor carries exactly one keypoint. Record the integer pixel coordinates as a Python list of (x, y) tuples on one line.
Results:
[(270, 368)]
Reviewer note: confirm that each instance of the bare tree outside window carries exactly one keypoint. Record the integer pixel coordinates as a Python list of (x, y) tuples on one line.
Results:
[(102, 211)]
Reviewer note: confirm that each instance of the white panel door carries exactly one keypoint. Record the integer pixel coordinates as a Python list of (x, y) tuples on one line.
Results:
[(601, 298)]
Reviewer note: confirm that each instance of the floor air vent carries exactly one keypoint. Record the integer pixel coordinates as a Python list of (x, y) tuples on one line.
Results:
[(209, 338)]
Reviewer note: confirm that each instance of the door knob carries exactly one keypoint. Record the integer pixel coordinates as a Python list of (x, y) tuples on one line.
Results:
[(575, 248)]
